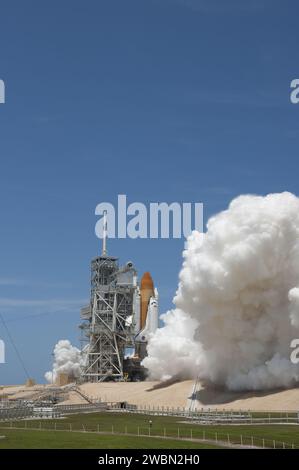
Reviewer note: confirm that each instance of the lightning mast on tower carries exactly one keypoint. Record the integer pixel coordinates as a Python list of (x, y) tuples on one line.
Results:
[(105, 234)]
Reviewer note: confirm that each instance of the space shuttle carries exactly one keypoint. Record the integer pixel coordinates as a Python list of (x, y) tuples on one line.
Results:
[(146, 312)]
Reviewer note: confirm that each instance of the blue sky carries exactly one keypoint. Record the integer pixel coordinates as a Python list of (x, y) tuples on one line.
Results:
[(161, 100)]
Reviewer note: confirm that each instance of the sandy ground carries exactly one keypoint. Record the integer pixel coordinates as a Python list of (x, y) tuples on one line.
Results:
[(19, 391), (179, 394), (141, 393), (74, 399), (275, 400), (173, 395)]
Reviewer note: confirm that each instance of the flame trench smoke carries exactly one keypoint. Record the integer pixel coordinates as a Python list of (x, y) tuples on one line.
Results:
[(67, 360), (237, 304)]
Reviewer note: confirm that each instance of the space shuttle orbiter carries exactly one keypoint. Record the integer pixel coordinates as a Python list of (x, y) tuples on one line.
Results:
[(146, 309)]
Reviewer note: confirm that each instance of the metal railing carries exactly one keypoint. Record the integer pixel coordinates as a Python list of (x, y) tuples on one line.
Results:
[(219, 439), (209, 416), (81, 408)]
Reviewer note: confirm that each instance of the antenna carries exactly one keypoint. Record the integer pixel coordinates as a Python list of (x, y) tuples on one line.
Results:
[(104, 250)]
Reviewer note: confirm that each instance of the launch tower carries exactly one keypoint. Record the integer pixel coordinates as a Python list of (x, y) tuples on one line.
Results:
[(107, 321), (120, 316)]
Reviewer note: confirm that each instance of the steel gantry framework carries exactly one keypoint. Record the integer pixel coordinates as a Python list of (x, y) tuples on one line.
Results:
[(108, 320)]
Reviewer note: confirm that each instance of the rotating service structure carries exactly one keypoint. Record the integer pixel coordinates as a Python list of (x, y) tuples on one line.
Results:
[(119, 320)]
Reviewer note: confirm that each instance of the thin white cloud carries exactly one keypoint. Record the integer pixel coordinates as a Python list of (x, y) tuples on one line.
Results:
[(258, 98), (49, 304), (228, 6), (6, 282), (10, 282)]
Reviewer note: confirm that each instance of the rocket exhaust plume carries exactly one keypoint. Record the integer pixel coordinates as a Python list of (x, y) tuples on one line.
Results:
[(237, 304)]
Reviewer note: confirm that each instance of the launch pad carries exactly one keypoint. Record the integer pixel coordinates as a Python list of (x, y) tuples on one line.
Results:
[(118, 320)]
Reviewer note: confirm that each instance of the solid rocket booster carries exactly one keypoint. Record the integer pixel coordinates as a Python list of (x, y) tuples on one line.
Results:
[(137, 310)]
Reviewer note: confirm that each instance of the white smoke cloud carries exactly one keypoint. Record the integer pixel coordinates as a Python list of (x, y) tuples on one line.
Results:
[(67, 360), (172, 350), (237, 305)]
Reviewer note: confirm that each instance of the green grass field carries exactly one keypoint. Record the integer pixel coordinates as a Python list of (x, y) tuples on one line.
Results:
[(125, 423), (18, 439)]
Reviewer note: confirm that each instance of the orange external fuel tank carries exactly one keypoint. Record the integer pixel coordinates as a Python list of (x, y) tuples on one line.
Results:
[(146, 292)]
